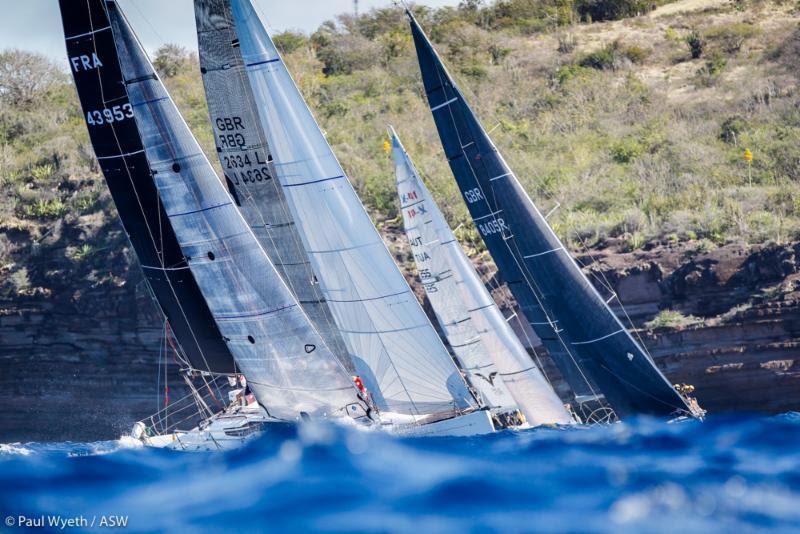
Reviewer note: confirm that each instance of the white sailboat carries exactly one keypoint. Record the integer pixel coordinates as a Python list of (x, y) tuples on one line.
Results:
[(496, 363)]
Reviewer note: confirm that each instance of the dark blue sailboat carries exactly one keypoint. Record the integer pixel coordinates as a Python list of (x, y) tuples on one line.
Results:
[(586, 340)]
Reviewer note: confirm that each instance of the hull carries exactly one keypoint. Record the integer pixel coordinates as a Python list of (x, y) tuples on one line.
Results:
[(230, 431), (472, 424)]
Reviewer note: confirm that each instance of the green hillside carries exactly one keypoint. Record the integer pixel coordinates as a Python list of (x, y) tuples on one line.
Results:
[(633, 128)]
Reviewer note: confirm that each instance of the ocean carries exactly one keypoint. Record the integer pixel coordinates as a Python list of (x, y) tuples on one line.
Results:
[(727, 474)]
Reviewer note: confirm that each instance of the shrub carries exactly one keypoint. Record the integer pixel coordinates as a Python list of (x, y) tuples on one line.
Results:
[(696, 44), (731, 37), (709, 73), (45, 209), (600, 10), (672, 319), (171, 60), (610, 56), (289, 41), (731, 128)]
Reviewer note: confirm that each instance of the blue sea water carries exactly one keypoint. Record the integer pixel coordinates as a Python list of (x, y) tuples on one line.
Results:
[(727, 474)]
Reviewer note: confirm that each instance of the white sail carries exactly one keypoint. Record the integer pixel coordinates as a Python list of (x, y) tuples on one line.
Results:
[(288, 366), (496, 362), (393, 345)]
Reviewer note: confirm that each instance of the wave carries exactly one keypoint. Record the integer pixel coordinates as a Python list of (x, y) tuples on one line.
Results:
[(729, 472)]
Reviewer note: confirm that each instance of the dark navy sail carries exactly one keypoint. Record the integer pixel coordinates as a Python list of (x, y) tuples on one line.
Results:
[(575, 323), (120, 153)]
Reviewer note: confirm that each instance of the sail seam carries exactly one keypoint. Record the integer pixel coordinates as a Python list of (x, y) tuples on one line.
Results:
[(434, 108), (257, 63), (599, 338), (498, 177), (88, 33), (487, 215), (315, 181), (199, 210), (368, 299), (121, 155), (543, 253)]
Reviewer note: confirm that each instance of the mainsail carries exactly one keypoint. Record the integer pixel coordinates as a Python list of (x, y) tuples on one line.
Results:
[(489, 351), (247, 165), (548, 284), (289, 368), (119, 150), (393, 345)]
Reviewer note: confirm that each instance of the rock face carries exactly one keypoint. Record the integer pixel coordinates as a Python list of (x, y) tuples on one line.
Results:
[(82, 363), (82, 369), (741, 351)]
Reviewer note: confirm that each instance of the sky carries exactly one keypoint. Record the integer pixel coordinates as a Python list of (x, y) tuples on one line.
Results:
[(36, 24)]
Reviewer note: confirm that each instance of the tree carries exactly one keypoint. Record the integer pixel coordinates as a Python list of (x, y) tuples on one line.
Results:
[(171, 60), (26, 76)]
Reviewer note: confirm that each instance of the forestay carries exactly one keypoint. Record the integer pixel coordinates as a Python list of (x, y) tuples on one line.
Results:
[(118, 147), (289, 368), (542, 275), (489, 351), (247, 165), (394, 347)]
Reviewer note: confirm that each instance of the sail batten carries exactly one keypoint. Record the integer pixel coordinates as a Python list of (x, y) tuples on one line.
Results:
[(496, 363), (590, 345), (394, 348)]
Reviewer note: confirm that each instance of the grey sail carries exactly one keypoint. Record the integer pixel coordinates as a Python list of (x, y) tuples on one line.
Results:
[(393, 345), (542, 275), (246, 162), (496, 362), (288, 366)]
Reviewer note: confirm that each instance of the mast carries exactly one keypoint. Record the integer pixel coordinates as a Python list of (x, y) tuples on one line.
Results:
[(120, 154), (393, 345), (495, 360), (249, 174), (551, 289)]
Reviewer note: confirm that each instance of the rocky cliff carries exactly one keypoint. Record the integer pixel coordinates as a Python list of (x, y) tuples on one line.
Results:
[(81, 362)]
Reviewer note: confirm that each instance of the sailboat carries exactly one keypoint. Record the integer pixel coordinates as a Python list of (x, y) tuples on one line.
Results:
[(391, 344), (589, 344), (482, 340), (145, 147)]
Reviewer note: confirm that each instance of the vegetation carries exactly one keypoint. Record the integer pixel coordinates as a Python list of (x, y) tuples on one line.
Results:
[(633, 131), (672, 319)]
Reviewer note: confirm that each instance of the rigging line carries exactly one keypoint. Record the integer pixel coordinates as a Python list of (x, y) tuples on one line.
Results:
[(132, 182)]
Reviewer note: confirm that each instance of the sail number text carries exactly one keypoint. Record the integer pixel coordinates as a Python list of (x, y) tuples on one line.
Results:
[(109, 115)]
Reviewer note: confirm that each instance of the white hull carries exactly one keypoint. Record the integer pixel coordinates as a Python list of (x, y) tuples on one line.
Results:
[(472, 424), (230, 431)]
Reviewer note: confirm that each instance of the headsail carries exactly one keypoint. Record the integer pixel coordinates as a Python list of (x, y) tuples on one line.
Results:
[(394, 347), (495, 360), (247, 165), (289, 368), (542, 275), (119, 150)]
